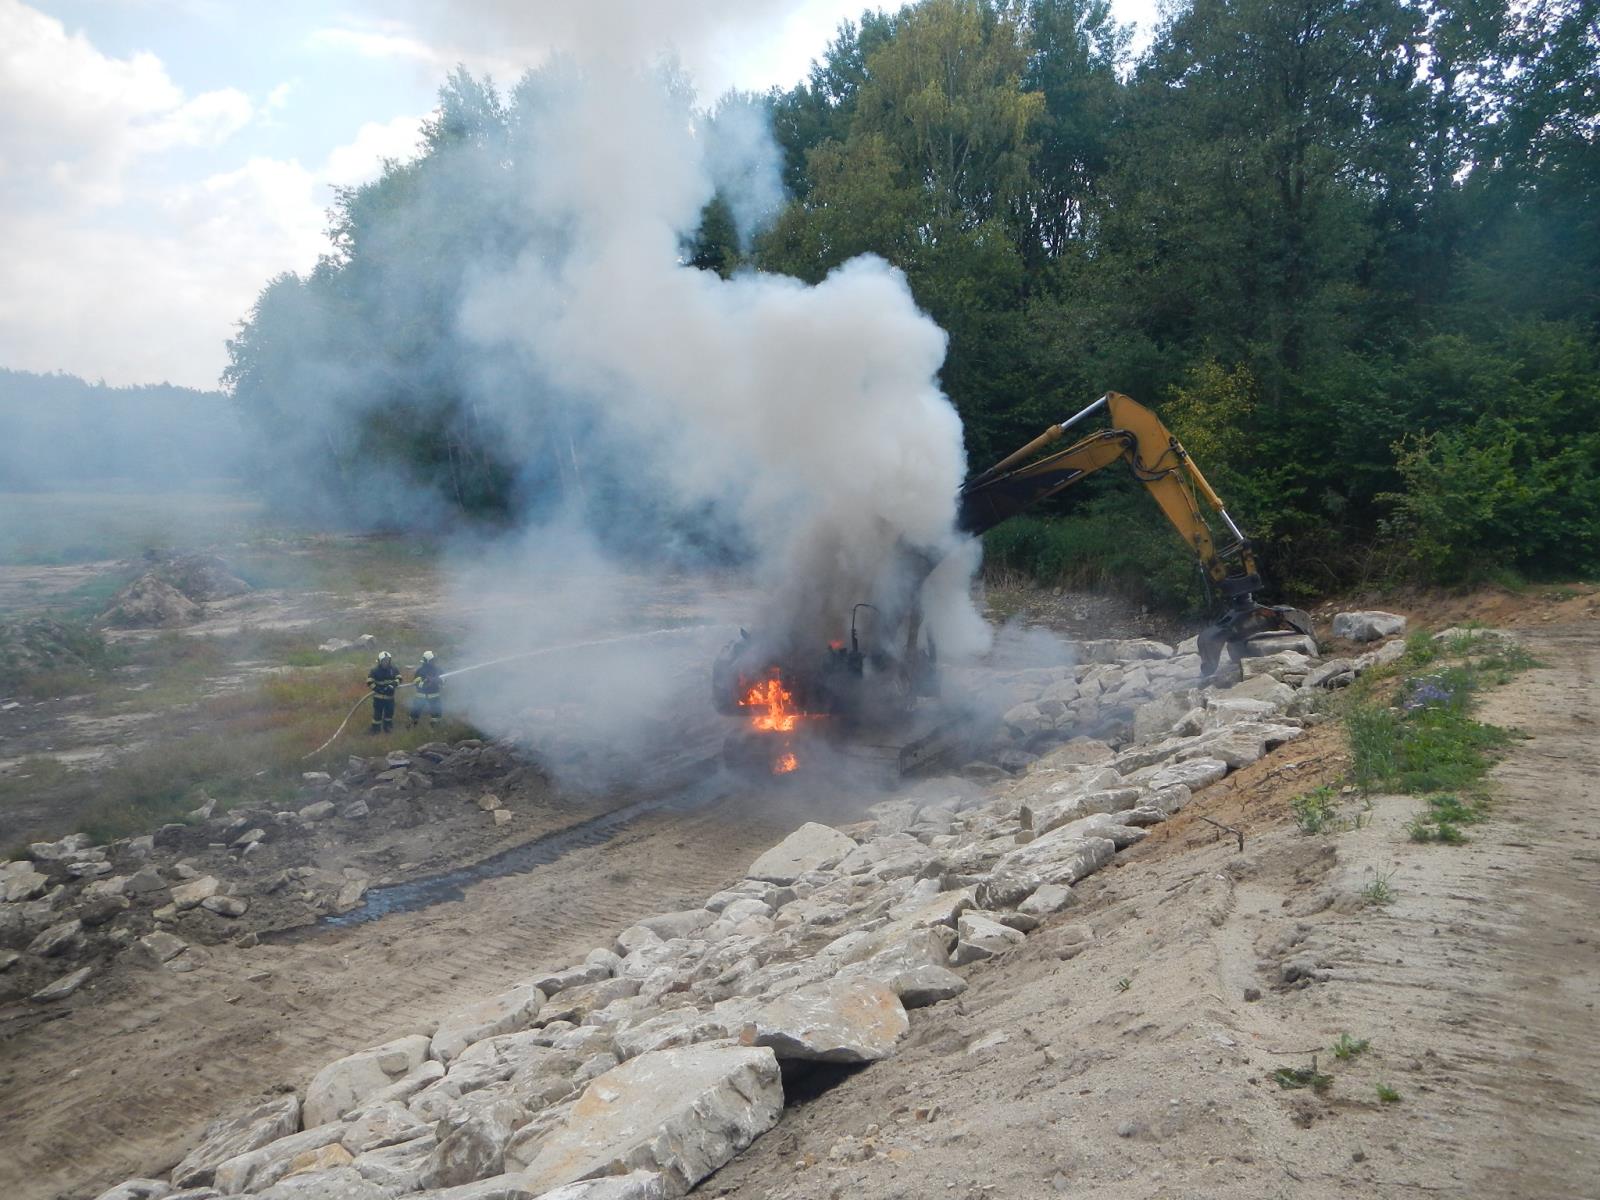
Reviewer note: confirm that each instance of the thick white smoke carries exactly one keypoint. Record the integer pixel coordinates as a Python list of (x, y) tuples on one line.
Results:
[(811, 413), (807, 418)]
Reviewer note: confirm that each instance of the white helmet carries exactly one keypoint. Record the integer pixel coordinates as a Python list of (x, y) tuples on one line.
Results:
[(427, 656), (384, 656)]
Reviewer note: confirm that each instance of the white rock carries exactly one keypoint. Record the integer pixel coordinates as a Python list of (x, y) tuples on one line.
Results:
[(680, 1027), (812, 847), (138, 1189), (682, 1113), (1059, 856), (1047, 899), (919, 987), (343, 1084), (635, 1185), (187, 895), (260, 1168), (235, 1134), (1286, 666), (1367, 626), (1263, 687), (1194, 774), (226, 906), (843, 1020), (678, 924), (337, 1183), (498, 1187), (1335, 673), (506, 1013), (385, 1123), (158, 947), (475, 1147), (397, 1168), (57, 939), (983, 937), (24, 883)]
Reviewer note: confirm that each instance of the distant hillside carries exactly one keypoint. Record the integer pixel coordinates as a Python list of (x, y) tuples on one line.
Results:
[(62, 431)]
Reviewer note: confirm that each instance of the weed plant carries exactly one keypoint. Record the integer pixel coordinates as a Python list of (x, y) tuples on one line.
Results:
[(1348, 1047)]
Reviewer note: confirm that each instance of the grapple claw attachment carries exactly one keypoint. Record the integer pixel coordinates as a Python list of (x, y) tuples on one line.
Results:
[(1234, 631)]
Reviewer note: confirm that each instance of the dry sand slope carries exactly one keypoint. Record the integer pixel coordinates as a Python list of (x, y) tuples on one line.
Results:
[(1476, 988)]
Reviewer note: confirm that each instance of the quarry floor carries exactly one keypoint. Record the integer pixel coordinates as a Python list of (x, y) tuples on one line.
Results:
[(1115, 1053)]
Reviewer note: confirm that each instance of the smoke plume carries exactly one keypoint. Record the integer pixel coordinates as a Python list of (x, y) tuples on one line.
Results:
[(806, 420)]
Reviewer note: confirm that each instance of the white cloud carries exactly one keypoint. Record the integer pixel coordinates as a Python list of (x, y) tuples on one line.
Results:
[(76, 118), (374, 43), (111, 275), (359, 160)]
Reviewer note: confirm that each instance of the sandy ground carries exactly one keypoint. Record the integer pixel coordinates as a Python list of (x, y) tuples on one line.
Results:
[(1119, 1054), (1050, 1076)]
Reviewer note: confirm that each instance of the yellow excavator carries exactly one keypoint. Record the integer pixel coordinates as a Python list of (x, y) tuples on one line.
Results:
[(1158, 460), (869, 683)]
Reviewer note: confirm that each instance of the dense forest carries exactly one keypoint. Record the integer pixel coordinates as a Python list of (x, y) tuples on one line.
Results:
[(1350, 249), (61, 431)]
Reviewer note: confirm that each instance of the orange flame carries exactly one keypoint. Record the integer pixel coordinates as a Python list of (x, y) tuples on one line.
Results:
[(785, 764), (773, 704)]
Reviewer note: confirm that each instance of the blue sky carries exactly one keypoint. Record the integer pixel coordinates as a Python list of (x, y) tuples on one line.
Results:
[(161, 159)]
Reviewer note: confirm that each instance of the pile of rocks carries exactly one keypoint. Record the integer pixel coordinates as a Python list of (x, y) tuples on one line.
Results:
[(71, 906), (641, 1069), (173, 592)]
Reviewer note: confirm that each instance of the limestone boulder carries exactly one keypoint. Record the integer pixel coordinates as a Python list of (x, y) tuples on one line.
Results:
[(63, 987), (679, 1113), (1335, 673), (334, 1183), (1060, 856), (679, 1027), (21, 882), (397, 1168), (385, 1123), (843, 1020), (475, 1146), (812, 847), (189, 895), (635, 1185), (921, 986), (343, 1084), (1368, 626), (982, 936), (1047, 899), (138, 1189), (235, 1134), (506, 1013), (1262, 687), (262, 1167), (1193, 773), (498, 1187), (61, 938), (684, 924)]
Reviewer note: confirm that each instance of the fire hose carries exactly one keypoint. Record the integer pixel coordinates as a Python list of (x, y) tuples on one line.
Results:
[(626, 637)]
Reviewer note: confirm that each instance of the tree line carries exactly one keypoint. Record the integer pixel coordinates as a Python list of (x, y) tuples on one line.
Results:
[(61, 431), (1348, 248)]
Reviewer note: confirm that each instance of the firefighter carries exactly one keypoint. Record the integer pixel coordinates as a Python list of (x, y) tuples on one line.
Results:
[(429, 686), (383, 679)]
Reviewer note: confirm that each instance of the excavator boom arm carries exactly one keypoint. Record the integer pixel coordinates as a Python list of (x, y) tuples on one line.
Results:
[(1158, 460)]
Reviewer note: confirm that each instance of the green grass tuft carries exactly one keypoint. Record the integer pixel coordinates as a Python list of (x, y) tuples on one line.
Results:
[(1347, 1047)]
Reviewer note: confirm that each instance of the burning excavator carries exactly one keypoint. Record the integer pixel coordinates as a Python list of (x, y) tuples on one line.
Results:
[(860, 696)]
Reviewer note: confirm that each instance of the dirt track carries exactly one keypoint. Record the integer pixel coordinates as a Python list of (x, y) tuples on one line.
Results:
[(1476, 988)]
